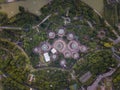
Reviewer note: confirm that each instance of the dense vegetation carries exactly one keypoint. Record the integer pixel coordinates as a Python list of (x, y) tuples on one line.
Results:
[(116, 79), (15, 56), (97, 63), (13, 63), (3, 18), (51, 79)]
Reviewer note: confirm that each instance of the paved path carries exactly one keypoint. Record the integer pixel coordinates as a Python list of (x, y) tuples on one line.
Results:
[(99, 78), (116, 56), (37, 26), (117, 41), (13, 28), (53, 68)]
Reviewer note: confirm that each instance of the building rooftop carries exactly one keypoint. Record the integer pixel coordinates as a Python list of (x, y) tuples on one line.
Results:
[(61, 32), (83, 48), (63, 63), (36, 50), (76, 55), (51, 35), (59, 45), (67, 46), (67, 54), (46, 57), (53, 50), (73, 46), (70, 36), (54, 56), (45, 47), (85, 77)]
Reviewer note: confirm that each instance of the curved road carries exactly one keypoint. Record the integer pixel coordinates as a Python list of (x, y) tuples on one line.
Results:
[(99, 78)]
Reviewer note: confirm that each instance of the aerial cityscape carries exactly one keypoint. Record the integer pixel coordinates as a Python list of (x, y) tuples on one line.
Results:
[(59, 44)]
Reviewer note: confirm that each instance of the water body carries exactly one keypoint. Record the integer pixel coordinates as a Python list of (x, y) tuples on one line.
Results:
[(34, 6)]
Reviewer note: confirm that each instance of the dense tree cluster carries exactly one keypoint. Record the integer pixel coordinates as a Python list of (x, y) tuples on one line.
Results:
[(51, 79), (10, 84), (13, 62), (97, 63), (23, 18), (3, 18)]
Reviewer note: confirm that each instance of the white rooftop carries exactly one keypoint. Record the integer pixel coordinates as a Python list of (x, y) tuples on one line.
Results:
[(61, 32), (46, 57), (53, 50), (51, 35)]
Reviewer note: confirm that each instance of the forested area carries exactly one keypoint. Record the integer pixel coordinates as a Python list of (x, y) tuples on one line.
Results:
[(51, 79), (97, 63), (13, 64)]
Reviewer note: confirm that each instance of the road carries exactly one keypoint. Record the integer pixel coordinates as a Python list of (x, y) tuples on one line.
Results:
[(99, 78)]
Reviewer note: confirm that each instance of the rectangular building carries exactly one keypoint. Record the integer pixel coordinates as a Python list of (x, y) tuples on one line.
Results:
[(46, 57)]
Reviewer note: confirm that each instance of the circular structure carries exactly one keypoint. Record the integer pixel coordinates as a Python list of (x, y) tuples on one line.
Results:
[(67, 54), (101, 34), (73, 46), (51, 35), (45, 47), (70, 36), (54, 56), (36, 50), (76, 55), (61, 32), (63, 63), (59, 45), (83, 48)]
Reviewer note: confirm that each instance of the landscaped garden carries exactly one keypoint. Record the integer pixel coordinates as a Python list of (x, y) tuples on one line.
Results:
[(22, 68)]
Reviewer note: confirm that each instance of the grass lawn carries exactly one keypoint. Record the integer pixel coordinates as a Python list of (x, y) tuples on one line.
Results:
[(1, 1)]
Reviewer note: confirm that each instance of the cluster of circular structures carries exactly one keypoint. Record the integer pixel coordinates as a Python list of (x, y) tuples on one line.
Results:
[(62, 43)]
